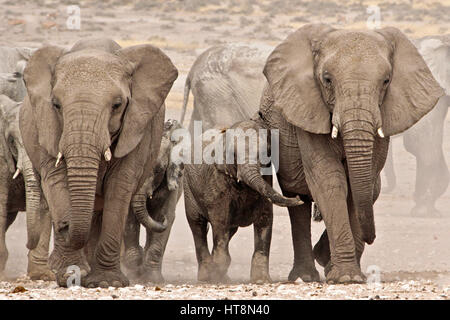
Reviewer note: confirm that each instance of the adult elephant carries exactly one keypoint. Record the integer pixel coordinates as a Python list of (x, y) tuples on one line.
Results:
[(226, 82), (425, 139), (12, 64), (20, 191), (92, 123), (362, 87)]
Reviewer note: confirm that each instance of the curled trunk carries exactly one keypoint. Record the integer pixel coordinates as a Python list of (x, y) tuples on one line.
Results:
[(250, 174), (139, 208)]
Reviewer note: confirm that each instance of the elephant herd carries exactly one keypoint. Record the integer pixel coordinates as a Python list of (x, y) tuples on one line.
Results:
[(87, 153)]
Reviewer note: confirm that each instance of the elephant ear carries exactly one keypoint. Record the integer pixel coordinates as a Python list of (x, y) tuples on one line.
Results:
[(413, 91), (151, 81), (6, 114), (38, 77), (290, 72)]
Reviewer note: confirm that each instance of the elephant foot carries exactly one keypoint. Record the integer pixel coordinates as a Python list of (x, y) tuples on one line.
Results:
[(345, 275), (152, 276), (260, 276), (69, 267), (133, 257), (40, 272), (209, 273), (306, 274), (105, 279), (424, 211)]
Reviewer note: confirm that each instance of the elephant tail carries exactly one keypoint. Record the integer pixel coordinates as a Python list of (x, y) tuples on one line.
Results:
[(187, 88)]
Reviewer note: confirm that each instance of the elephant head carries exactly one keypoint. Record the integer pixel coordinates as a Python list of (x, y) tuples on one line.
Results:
[(360, 85), (244, 144), (18, 162), (91, 104), (12, 84), (166, 172)]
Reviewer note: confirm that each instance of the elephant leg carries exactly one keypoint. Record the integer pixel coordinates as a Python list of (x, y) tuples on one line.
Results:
[(155, 245), (63, 257), (94, 235), (133, 252), (327, 181), (389, 171), (303, 266), (220, 256), (262, 229), (38, 268), (105, 266)]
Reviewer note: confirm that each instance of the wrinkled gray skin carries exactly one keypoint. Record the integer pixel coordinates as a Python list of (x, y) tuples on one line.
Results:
[(158, 197), (102, 109), (424, 140), (21, 193), (226, 82), (229, 196), (12, 64), (358, 82)]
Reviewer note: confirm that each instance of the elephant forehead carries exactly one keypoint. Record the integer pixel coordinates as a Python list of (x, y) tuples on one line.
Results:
[(89, 71)]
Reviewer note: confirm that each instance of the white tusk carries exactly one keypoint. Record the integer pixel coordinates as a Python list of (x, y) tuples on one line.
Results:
[(16, 174), (334, 132), (108, 154), (58, 159), (380, 132)]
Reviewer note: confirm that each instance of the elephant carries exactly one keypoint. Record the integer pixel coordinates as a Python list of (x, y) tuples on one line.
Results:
[(226, 82), (159, 196), (92, 123), (13, 61), (336, 97), (228, 196), (20, 191), (425, 139)]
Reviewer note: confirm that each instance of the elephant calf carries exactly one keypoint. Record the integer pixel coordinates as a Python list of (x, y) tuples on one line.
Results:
[(229, 196), (157, 199), (20, 191)]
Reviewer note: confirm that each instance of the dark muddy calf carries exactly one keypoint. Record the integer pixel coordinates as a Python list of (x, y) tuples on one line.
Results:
[(229, 196)]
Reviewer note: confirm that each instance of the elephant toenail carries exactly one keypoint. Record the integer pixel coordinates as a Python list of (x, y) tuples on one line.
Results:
[(91, 285), (358, 278), (103, 284), (344, 278), (306, 278), (116, 284)]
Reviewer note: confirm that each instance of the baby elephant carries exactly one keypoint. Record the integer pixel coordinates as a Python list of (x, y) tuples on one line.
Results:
[(155, 202), (231, 195)]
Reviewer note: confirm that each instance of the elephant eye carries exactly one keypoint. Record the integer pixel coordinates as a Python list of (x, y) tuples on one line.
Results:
[(56, 104), (386, 81), (327, 79), (116, 105)]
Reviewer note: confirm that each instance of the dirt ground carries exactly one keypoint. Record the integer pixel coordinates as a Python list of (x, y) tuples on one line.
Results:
[(411, 254)]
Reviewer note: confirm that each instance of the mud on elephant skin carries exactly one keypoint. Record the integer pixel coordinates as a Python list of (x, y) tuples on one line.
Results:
[(154, 208), (425, 139), (229, 196), (336, 96), (226, 82), (91, 124), (20, 191)]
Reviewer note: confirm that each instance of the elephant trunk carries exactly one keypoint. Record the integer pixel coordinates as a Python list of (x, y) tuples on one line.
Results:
[(251, 175), (358, 139), (82, 162), (33, 204), (139, 208)]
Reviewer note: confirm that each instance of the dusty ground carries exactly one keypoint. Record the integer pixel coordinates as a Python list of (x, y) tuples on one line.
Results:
[(412, 254)]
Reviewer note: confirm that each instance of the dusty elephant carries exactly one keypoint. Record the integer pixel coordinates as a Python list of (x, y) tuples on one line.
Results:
[(91, 124), (156, 200), (425, 139), (12, 64), (20, 191), (226, 82), (362, 87), (228, 195)]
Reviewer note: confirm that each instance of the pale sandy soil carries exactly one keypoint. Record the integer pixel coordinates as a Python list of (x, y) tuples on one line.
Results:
[(412, 254)]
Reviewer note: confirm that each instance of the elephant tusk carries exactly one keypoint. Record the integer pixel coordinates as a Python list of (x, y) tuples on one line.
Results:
[(16, 174), (334, 132), (58, 159), (108, 154), (380, 132)]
